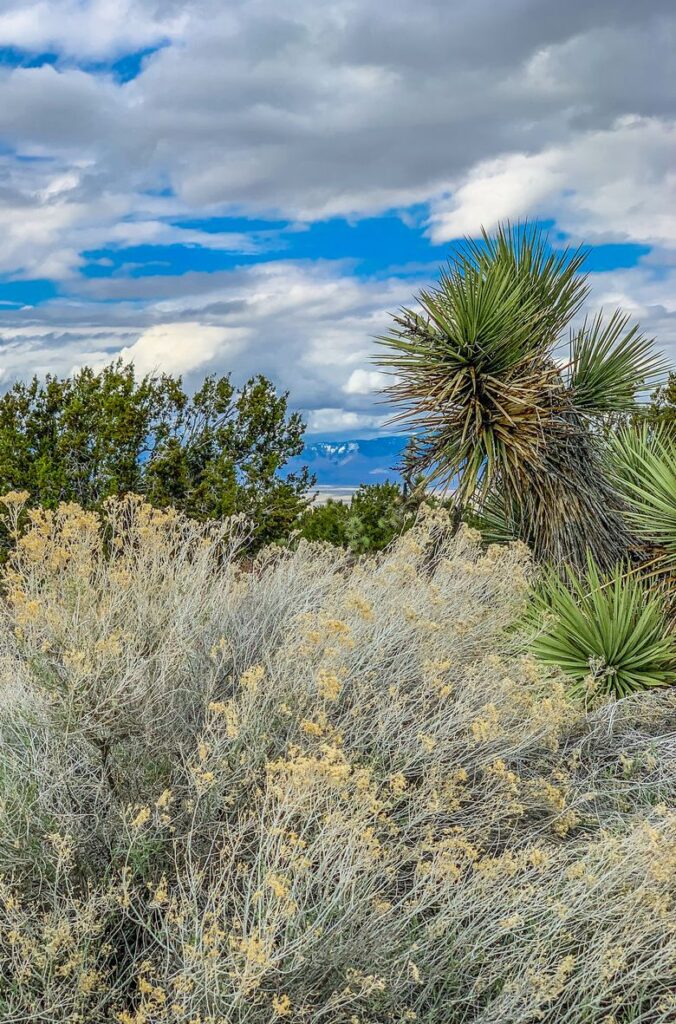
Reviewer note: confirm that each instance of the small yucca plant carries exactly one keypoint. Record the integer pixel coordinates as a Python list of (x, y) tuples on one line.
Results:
[(612, 630)]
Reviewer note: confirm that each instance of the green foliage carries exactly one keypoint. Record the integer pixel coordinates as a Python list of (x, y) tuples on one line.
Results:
[(607, 360), (376, 515), (495, 520), (612, 629), (662, 407), (326, 523), (644, 461), (494, 411), (214, 454)]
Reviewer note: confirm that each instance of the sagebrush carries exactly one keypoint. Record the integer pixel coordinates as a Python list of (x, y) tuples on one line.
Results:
[(314, 789)]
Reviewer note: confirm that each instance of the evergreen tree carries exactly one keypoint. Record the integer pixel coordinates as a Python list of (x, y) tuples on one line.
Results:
[(215, 453)]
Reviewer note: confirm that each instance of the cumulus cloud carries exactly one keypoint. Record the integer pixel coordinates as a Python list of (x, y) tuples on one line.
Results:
[(624, 187), (337, 111), (309, 327), (364, 382), (308, 110), (183, 347), (475, 110), (50, 217)]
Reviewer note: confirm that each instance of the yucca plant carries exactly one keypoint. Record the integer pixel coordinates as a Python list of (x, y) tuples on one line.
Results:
[(497, 412), (611, 631), (644, 465)]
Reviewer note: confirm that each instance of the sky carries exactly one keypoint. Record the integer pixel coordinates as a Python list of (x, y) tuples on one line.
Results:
[(244, 186)]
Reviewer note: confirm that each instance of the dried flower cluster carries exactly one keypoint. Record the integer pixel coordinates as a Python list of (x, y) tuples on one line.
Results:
[(314, 791)]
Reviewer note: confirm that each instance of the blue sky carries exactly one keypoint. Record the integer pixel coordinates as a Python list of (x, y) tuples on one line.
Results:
[(254, 186)]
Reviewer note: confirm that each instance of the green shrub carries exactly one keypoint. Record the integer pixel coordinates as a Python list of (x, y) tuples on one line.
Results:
[(326, 523), (661, 412), (376, 515), (215, 453)]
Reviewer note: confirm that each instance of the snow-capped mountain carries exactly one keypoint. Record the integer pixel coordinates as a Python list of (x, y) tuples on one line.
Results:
[(350, 463)]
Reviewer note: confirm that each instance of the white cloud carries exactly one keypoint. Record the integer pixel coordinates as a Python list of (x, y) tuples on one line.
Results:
[(311, 110), (648, 293), (365, 382), (613, 185), (506, 188), (183, 347), (327, 421), (309, 327), (87, 28), (48, 219)]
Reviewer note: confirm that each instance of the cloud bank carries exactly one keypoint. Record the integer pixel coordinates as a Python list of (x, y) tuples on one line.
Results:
[(149, 125)]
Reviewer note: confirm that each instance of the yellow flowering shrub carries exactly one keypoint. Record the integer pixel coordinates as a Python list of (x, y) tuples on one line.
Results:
[(312, 789)]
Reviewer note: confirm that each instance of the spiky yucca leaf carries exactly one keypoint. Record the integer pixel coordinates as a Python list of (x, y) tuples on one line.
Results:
[(496, 522), (644, 463), (612, 628), (551, 280), (610, 361)]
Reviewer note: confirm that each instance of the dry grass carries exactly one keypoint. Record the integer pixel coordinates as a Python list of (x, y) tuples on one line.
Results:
[(314, 791)]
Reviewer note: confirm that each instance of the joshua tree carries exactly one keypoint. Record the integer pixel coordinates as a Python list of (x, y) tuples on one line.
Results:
[(504, 409)]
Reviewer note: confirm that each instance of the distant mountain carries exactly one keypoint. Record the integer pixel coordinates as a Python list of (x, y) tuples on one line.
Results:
[(350, 463)]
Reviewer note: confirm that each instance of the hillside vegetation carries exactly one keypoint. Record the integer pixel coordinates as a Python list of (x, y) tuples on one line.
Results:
[(315, 790)]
